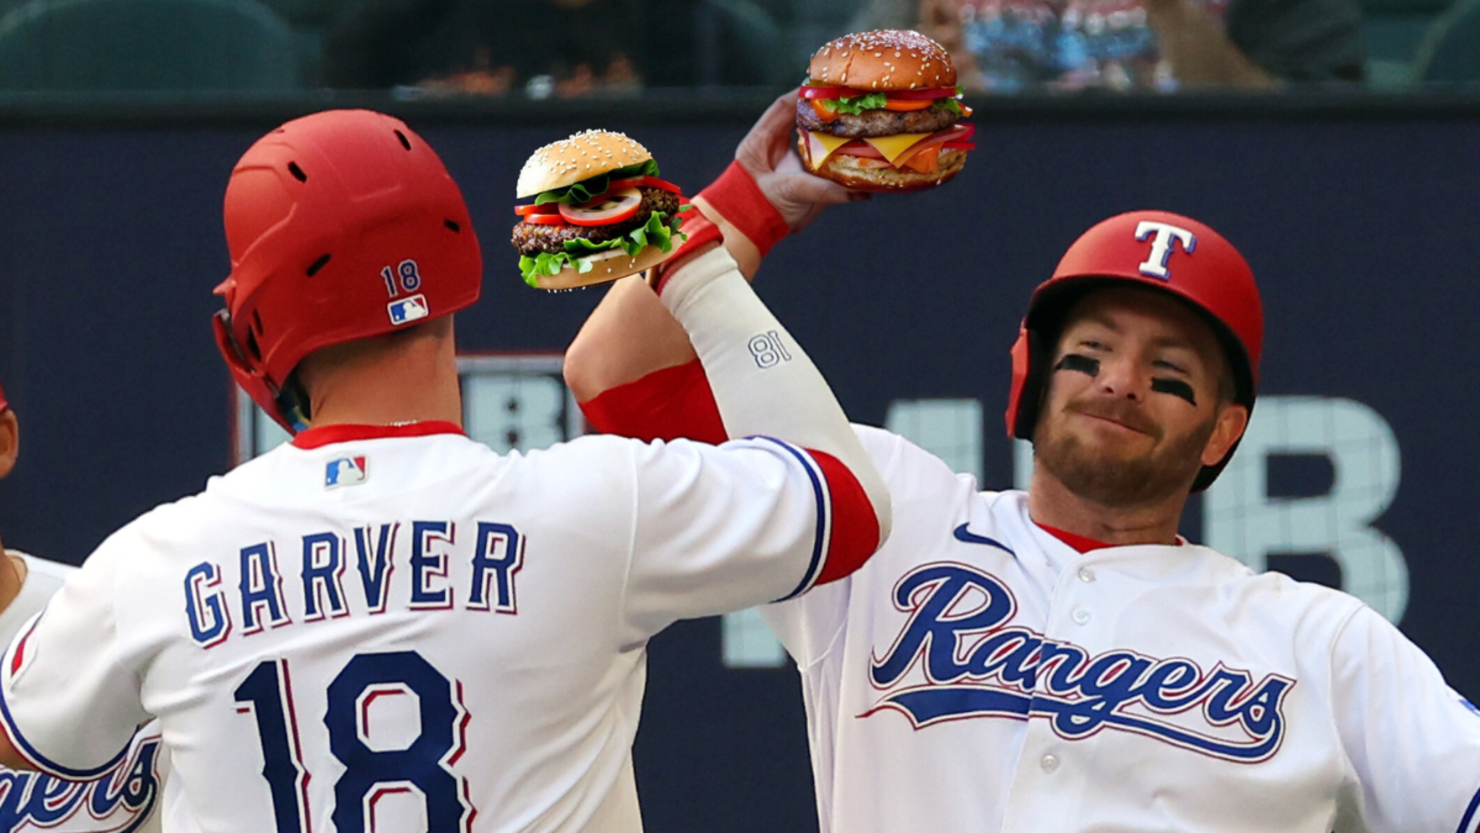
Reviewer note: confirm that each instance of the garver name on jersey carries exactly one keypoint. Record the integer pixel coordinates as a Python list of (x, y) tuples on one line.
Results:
[(958, 657), (259, 601)]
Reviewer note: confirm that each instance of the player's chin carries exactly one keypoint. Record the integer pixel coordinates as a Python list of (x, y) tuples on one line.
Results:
[(868, 175)]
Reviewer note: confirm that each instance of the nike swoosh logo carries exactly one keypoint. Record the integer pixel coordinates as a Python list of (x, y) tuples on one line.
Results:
[(967, 536)]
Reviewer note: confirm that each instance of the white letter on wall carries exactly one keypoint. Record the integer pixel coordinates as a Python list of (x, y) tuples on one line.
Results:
[(1241, 520)]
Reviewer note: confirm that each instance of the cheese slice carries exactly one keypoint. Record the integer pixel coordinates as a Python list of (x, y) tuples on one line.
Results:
[(894, 147), (821, 145)]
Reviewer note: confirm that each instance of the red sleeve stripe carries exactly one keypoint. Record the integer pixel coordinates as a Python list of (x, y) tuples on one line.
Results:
[(855, 533), (667, 404), (823, 501), (847, 528)]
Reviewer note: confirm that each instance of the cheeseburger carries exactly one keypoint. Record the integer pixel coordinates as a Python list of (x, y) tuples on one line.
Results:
[(599, 213), (880, 110)]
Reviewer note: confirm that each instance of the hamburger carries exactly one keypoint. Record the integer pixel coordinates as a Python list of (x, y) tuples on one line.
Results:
[(880, 111), (599, 212)]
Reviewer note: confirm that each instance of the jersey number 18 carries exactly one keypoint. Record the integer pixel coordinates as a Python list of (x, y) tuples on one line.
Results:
[(369, 775)]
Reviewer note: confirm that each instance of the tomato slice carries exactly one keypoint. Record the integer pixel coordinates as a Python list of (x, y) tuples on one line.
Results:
[(925, 161), (901, 105), (862, 150), (809, 91), (961, 131), (531, 208), (824, 114), (616, 205), (644, 182), (927, 94), (927, 150), (545, 220)]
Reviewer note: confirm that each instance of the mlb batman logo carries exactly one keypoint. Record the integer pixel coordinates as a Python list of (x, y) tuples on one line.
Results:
[(344, 471)]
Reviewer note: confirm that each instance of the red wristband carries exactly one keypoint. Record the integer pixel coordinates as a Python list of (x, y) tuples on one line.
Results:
[(737, 197), (701, 231)]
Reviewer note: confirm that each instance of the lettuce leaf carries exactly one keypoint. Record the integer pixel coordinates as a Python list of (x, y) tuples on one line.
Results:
[(657, 231), (949, 104), (876, 101), (854, 106), (584, 190)]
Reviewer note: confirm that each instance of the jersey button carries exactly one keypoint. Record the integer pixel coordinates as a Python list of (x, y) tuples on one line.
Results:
[(1049, 763), (1086, 575), (1080, 615)]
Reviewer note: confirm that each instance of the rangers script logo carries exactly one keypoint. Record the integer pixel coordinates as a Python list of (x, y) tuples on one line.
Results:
[(972, 663), (119, 801)]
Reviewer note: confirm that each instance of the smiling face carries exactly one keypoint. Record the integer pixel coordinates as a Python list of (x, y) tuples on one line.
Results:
[(1138, 402)]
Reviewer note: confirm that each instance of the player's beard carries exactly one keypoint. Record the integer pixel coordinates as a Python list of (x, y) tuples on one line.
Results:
[(1103, 475)]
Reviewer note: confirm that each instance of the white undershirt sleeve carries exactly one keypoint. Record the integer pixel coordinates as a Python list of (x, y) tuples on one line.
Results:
[(763, 382)]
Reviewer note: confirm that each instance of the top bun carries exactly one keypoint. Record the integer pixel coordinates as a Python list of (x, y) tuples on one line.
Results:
[(883, 60), (582, 156)]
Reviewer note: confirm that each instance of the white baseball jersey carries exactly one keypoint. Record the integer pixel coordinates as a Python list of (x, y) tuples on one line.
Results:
[(376, 629), (124, 799), (978, 674)]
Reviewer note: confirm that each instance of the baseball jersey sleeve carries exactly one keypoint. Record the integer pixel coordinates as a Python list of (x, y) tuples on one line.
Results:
[(68, 701), (722, 528), (1413, 741), (808, 626), (764, 383)]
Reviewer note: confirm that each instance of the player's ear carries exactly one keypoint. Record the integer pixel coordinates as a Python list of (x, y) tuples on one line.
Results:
[(10, 440), (1230, 423)]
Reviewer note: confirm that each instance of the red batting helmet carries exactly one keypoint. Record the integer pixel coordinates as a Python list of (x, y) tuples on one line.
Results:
[(1157, 249), (341, 225)]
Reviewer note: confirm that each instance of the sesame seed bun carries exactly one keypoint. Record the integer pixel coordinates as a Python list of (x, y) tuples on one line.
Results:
[(582, 156), (883, 60)]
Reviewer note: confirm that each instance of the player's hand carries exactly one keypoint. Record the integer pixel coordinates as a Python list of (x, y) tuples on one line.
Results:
[(767, 154)]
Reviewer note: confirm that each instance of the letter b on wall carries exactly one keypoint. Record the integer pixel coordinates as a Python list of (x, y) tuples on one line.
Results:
[(1243, 521)]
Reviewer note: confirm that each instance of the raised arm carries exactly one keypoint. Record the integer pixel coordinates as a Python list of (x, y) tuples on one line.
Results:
[(633, 365), (763, 196)]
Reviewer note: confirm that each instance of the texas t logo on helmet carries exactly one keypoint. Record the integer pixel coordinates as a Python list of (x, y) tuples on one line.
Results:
[(1162, 235)]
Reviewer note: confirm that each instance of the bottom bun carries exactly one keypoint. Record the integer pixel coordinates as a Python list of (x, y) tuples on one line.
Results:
[(606, 266), (846, 171)]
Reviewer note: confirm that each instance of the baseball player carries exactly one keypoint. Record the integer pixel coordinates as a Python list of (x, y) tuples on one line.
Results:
[(383, 625), (126, 797), (1062, 659)]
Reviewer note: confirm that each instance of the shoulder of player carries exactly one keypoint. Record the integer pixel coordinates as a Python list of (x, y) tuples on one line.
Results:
[(1276, 591), (43, 578), (903, 462), (43, 570)]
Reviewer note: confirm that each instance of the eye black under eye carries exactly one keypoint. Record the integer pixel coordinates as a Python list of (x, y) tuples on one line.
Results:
[(1083, 364), (1175, 387)]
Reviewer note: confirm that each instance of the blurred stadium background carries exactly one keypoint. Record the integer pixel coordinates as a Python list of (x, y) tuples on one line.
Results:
[(120, 120)]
